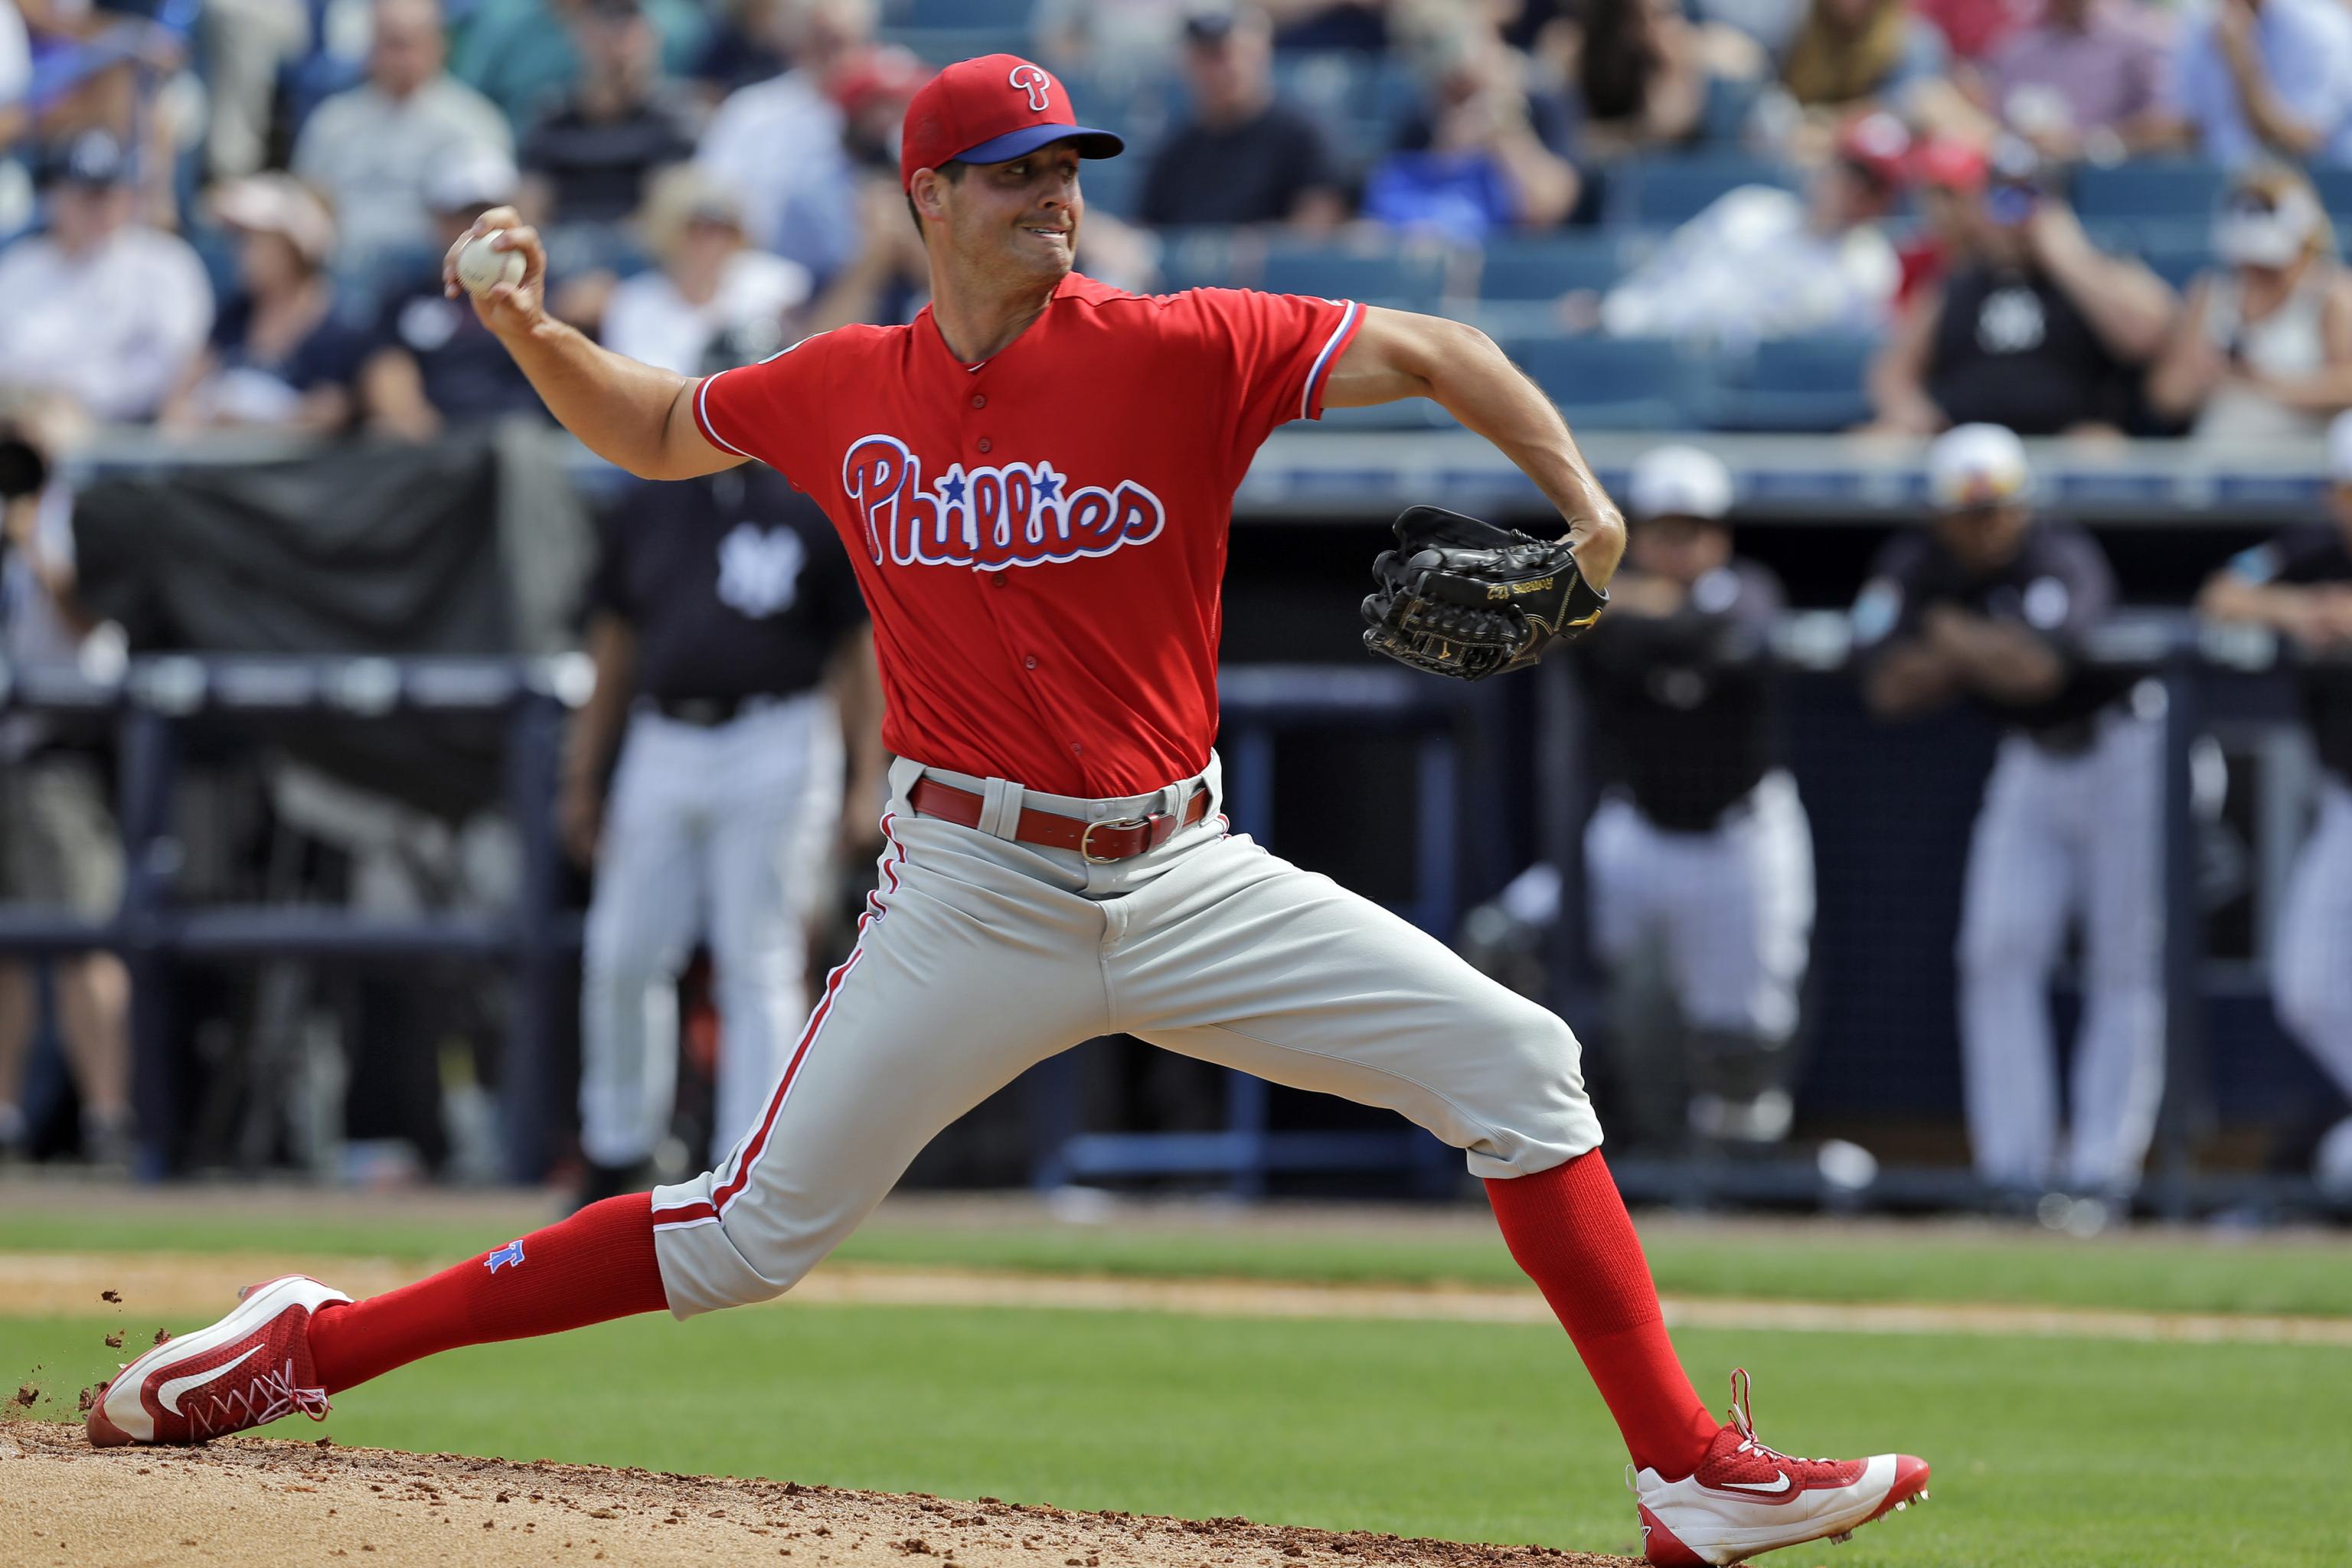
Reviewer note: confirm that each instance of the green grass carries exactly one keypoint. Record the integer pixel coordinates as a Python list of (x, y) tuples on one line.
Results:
[(2148, 1271), (2047, 1454)]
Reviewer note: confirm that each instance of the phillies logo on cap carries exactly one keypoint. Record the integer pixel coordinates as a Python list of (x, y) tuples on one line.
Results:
[(1035, 82), (990, 111)]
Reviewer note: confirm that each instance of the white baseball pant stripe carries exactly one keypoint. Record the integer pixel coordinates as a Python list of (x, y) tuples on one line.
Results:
[(1733, 905), (2311, 965), (981, 956), (717, 833), (2059, 836)]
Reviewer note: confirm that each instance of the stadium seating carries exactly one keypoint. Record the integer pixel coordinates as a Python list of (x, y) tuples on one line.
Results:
[(2161, 190), (1359, 105), (2176, 264), (1405, 277), (1660, 193), (1544, 268), (1411, 414), (1114, 185), (1729, 101), (1618, 383), (1197, 259), (1810, 382), (1520, 280), (1013, 14), (940, 44), (2333, 183)]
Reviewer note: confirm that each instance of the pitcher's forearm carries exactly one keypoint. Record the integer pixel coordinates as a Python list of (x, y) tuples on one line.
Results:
[(1400, 353), (626, 412), (1487, 394)]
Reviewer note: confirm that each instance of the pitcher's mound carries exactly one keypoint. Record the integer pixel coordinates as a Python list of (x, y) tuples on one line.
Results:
[(272, 1503)]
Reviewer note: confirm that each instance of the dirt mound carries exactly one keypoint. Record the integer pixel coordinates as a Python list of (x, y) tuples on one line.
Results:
[(264, 1503)]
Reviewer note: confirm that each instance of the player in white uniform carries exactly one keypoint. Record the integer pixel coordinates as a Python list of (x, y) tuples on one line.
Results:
[(1699, 852), (1989, 606), (2300, 586)]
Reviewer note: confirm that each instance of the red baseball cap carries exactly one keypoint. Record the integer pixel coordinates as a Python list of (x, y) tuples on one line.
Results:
[(1878, 143), (1952, 164), (989, 110)]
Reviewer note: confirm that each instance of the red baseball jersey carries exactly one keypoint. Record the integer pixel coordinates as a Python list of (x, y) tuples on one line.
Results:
[(1041, 537)]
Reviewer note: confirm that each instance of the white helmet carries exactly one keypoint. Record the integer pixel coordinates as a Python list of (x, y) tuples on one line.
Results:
[(1977, 465), (1679, 481)]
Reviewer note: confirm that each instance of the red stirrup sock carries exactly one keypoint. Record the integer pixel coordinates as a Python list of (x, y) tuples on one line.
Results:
[(1569, 1229), (597, 1265)]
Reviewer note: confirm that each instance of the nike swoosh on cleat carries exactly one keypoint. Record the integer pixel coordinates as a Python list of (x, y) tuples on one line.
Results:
[(169, 1394), (1781, 1485)]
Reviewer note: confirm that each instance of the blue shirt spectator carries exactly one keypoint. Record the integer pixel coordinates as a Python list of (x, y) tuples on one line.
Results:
[(2273, 77), (1488, 154)]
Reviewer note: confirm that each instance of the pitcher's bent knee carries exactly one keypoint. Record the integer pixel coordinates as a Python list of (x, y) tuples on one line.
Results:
[(1522, 1082), (715, 1253)]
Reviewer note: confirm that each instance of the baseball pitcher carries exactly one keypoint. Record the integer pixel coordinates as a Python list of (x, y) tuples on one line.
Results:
[(1034, 479)]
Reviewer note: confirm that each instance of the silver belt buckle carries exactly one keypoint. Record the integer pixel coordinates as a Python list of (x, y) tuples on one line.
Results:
[(1086, 835)]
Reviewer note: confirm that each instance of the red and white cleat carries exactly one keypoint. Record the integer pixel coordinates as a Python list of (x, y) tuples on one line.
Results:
[(1745, 1498), (251, 1367)]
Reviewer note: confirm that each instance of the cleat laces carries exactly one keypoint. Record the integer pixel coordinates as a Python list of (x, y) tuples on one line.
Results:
[(265, 1398), (1745, 1424)]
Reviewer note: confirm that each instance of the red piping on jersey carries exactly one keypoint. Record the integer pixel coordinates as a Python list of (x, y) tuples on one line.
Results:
[(716, 1208)]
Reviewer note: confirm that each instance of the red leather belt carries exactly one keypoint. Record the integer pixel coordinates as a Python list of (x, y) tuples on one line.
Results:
[(1101, 842)]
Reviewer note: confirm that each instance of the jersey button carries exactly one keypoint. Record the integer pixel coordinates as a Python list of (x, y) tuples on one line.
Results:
[(984, 444), (996, 579), (978, 401), (1029, 663)]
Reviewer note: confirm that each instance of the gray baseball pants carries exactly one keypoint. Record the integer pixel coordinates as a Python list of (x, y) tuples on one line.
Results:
[(980, 956), (720, 835), (2311, 965), (2057, 837), (1733, 905)]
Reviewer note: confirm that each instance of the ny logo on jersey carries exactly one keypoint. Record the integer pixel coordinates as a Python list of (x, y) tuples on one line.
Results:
[(760, 570), (1033, 81), (1005, 514)]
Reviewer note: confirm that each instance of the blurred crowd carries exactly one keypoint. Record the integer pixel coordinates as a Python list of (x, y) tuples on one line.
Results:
[(229, 212)]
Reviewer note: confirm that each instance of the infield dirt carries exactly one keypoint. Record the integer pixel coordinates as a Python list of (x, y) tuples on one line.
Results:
[(262, 1503)]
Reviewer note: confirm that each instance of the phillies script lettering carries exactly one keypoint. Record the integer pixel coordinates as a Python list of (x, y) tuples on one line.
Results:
[(1008, 514)]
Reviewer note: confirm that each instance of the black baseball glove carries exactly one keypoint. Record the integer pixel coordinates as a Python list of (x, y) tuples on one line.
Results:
[(1465, 598)]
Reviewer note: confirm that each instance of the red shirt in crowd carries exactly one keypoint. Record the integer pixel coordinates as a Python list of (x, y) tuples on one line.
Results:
[(1041, 537)]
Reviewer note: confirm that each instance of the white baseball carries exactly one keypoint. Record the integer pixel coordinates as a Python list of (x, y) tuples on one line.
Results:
[(482, 268)]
